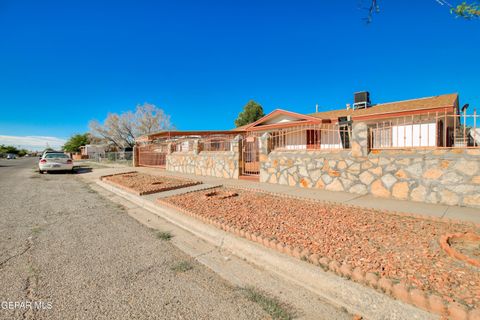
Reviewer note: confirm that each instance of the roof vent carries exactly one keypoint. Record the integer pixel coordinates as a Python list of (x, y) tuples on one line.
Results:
[(361, 100)]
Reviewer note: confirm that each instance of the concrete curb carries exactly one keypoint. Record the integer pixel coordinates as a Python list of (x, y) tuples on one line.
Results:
[(356, 298)]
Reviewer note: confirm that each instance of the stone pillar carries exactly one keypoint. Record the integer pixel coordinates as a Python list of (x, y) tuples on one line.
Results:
[(235, 147), (235, 144), (196, 146), (264, 150), (264, 147), (359, 143), (169, 148), (135, 156)]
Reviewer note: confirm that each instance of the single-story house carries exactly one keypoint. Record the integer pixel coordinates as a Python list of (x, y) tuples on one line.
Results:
[(424, 122), (415, 149)]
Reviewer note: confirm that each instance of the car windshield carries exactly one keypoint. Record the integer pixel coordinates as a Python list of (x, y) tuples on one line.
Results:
[(55, 155)]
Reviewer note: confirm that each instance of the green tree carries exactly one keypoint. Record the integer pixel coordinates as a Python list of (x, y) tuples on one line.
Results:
[(11, 149), (76, 141), (252, 111), (467, 10), (8, 149), (22, 152)]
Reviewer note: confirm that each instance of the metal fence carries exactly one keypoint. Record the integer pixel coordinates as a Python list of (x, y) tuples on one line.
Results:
[(183, 145), (311, 137), (433, 130), (125, 157), (216, 143), (153, 154)]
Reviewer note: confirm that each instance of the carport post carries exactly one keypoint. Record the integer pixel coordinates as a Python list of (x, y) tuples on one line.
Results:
[(135, 156)]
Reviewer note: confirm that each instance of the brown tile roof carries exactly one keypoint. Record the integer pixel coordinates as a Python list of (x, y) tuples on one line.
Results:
[(446, 100)]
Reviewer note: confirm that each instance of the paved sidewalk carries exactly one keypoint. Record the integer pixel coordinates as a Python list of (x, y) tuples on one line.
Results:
[(367, 201)]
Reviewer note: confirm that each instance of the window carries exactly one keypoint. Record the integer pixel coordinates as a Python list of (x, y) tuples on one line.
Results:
[(56, 155), (313, 139)]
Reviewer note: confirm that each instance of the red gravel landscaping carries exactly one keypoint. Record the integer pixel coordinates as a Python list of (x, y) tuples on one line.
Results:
[(399, 247), (141, 183)]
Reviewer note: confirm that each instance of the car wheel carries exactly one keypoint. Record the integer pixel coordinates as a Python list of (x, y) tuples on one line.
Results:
[(40, 171)]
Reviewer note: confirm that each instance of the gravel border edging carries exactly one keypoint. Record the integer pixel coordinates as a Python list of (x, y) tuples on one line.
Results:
[(138, 193), (445, 245)]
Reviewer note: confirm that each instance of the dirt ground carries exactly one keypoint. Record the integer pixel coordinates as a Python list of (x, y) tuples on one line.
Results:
[(402, 248), (142, 183)]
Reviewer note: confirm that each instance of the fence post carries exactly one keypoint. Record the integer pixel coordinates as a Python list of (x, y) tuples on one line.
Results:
[(359, 139), (263, 149)]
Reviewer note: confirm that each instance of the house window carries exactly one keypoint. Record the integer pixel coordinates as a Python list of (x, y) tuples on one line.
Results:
[(313, 139), (277, 140)]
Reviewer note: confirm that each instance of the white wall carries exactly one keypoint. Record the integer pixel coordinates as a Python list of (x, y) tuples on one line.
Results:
[(416, 135), (409, 135), (298, 140), (282, 118)]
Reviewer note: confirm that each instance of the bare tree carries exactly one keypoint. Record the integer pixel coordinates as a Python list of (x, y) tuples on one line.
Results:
[(121, 130)]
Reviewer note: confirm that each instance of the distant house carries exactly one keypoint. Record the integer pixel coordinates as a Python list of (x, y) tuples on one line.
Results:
[(93, 151)]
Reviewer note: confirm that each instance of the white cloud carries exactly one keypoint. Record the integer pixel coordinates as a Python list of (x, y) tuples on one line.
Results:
[(32, 142)]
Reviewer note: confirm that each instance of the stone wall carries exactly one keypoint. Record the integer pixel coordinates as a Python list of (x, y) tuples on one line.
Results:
[(206, 163), (221, 164), (444, 176)]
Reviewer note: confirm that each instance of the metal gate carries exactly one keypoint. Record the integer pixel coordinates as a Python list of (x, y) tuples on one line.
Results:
[(153, 155), (250, 160)]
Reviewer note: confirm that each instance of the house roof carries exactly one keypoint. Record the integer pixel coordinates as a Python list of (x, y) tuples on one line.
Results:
[(300, 118), (399, 107)]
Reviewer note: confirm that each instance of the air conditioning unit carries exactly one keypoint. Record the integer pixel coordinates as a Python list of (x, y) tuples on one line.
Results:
[(361, 100)]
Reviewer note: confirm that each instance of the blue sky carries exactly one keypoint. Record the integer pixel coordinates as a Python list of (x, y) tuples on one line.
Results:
[(63, 63)]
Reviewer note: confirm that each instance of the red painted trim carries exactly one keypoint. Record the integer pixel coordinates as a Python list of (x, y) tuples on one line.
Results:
[(170, 134), (284, 112), (402, 113), (283, 125)]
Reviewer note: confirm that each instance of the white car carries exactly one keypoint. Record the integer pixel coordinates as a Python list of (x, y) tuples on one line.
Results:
[(55, 162)]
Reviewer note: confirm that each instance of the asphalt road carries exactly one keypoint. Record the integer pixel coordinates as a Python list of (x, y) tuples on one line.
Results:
[(83, 257)]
